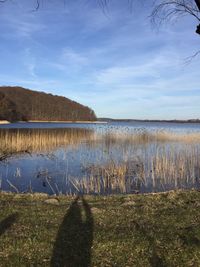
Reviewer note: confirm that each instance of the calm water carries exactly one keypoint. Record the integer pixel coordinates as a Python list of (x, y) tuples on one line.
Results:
[(121, 125), (99, 158)]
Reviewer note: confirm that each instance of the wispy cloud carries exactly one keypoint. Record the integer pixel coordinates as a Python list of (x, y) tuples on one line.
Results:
[(30, 63), (73, 58), (21, 25), (113, 62)]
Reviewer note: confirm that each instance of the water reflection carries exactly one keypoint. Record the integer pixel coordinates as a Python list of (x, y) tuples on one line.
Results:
[(114, 160)]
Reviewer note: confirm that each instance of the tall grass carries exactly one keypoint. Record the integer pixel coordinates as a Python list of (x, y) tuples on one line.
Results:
[(115, 161), (38, 140), (142, 136), (143, 162), (47, 139), (159, 170)]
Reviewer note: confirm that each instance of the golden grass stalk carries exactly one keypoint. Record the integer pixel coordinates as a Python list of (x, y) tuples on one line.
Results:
[(37, 140)]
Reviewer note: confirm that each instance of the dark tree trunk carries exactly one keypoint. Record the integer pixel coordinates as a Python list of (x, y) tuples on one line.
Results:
[(197, 3)]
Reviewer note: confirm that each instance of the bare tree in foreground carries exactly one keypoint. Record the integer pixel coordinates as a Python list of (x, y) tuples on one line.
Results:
[(163, 10), (166, 10)]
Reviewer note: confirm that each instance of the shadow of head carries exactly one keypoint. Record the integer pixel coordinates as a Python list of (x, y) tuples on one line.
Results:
[(8, 222), (73, 243)]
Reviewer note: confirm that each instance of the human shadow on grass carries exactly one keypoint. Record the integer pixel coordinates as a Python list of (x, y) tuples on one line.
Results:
[(7, 223), (73, 243)]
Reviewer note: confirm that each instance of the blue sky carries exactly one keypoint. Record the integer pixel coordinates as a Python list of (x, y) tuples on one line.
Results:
[(113, 61)]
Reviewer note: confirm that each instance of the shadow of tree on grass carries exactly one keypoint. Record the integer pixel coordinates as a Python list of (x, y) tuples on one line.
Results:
[(73, 244)]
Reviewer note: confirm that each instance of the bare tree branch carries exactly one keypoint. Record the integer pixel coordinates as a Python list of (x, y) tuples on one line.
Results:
[(164, 11), (167, 10), (190, 58)]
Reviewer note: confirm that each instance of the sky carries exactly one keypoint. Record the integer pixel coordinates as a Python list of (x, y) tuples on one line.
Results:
[(112, 60)]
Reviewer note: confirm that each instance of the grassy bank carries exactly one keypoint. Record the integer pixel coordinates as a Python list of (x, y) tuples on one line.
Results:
[(133, 230)]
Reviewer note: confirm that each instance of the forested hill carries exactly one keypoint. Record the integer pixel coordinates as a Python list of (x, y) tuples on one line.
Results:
[(20, 104)]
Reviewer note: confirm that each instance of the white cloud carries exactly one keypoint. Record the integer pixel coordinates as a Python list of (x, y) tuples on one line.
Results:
[(22, 25), (115, 63), (30, 63), (72, 57), (151, 67)]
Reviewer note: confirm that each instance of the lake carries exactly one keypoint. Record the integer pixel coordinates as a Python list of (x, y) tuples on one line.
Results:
[(111, 158)]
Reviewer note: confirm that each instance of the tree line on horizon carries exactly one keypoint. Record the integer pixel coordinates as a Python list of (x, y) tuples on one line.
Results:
[(20, 104)]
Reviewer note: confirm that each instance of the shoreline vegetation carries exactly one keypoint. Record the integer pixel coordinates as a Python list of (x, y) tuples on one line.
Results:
[(106, 162), (102, 121), (39, 121), (148, 120), (122, 230)]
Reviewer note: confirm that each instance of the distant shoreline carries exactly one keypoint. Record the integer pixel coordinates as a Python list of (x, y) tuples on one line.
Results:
[(136, 120), (104, 120), (37, 121), (65, 121)]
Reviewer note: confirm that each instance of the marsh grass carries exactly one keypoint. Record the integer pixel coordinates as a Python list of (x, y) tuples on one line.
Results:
[(143, 136), (123, 162), (47, 139), (144, 162), (161, 170), (38, 140)]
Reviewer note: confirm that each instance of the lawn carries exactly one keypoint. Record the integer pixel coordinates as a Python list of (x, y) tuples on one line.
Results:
[(124, 230)]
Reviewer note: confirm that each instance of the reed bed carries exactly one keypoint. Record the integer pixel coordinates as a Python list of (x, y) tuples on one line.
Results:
[(47, 139), (111, 161), (39, 140), (157, 168), (142, 136)]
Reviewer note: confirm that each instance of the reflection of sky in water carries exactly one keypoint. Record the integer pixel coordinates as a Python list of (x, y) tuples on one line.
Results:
[(26, 172), (53, 172)]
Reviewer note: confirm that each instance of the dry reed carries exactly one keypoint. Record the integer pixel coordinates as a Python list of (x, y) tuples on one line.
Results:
[(38, 140), (125, 162), (152, 169)]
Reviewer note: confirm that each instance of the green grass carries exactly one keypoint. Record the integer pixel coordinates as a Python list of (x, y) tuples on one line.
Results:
[(133, 230)]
